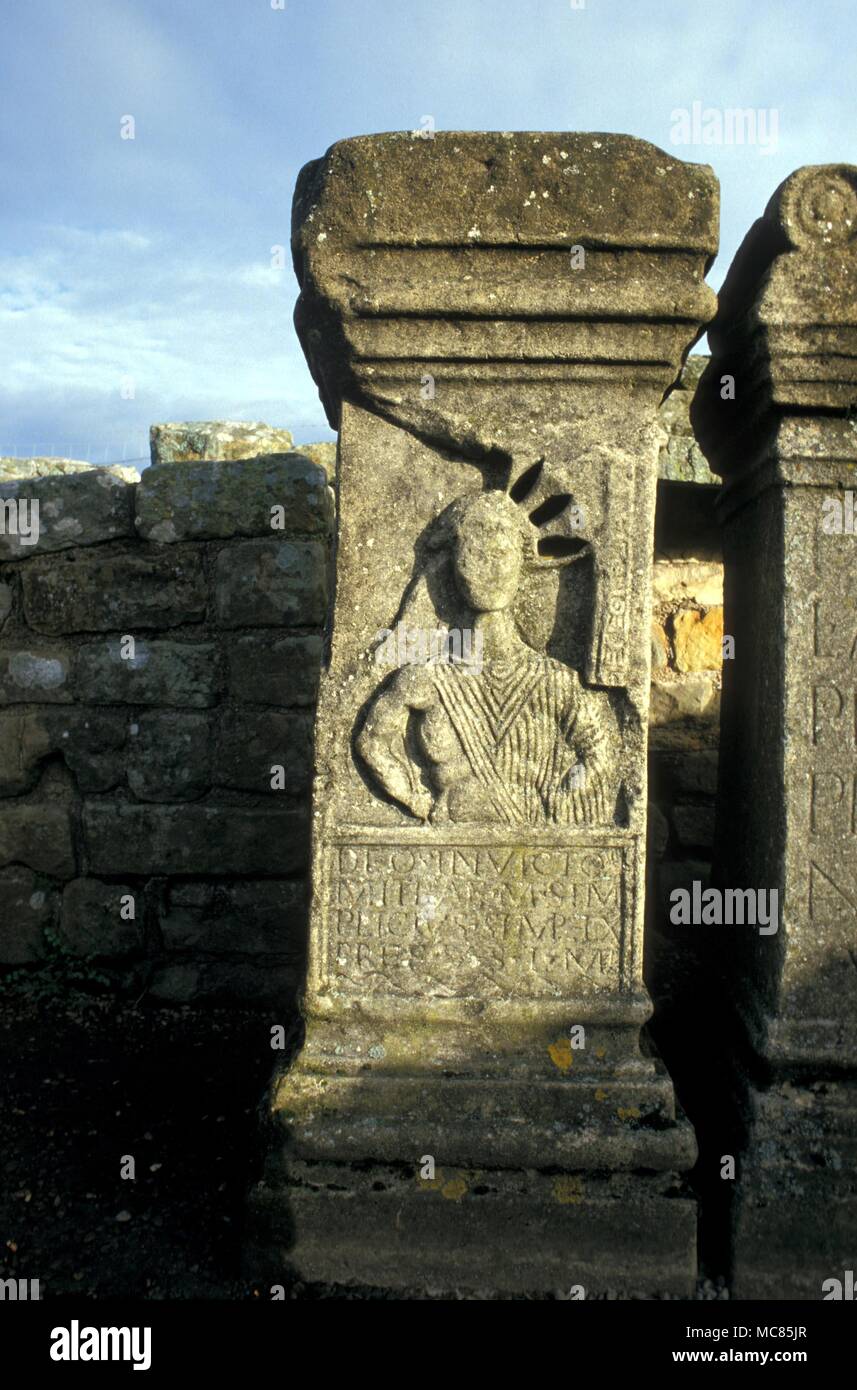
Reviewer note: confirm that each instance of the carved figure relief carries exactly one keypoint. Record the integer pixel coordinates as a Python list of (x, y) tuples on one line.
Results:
[(514, 738)]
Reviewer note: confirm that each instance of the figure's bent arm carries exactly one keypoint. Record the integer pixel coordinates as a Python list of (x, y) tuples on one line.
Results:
[(381, 741)]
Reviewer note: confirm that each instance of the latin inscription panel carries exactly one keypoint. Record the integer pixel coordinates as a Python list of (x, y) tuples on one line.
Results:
[(443, 920), (820, 891)]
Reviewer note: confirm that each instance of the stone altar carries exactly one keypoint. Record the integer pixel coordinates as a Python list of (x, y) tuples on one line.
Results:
[(786, 446), (492, 321)]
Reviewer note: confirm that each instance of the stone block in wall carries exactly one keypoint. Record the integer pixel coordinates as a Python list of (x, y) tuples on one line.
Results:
[(39, 836), (698, 639), (253, 982), (660, 647), (692, 772), (24, 741), (324, 454), (160, 672), (35, 672), (251, 742), (266, 916), (114, 590), (7, 599), (170, 756), (81, 509), (204, 501), (270, 583), (694, 825), (216, 841), (91, 743), (41, 467), (695, 699), (216, 439), (26, 909), (682, 582), (268, 670), (681, 459), (91, 921)]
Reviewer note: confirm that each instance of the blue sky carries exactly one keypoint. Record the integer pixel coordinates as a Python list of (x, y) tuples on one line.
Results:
[(135, 275)]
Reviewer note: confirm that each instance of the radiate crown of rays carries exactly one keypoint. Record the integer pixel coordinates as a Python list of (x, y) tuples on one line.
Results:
[(553, 526), (555, 520)]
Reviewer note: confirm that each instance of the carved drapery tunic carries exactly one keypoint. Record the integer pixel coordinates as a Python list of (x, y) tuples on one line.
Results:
[(528, 750), (516, 742)]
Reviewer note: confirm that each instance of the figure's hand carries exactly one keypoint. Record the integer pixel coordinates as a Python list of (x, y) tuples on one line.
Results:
[(420, 803)]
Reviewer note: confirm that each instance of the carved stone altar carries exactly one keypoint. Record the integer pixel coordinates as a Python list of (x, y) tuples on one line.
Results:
[(786, 445), (492, 320)]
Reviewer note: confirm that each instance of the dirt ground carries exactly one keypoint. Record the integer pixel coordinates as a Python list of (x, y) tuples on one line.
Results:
[(88, 1081)]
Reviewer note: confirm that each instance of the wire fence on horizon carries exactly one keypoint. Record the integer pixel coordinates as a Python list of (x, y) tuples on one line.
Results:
[(85, 455)]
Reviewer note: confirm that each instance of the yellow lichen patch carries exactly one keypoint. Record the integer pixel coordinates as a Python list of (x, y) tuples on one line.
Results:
[(600, 1052), (600, 1095), (628, 1112), (560, 1054), (567, 1190), (454, 1190), (434, 1184)]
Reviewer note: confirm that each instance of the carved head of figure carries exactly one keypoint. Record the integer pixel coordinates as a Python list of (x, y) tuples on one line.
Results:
[(488, 551)]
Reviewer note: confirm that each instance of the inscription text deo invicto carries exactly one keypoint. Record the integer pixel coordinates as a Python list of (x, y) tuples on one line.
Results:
[(445, 919)]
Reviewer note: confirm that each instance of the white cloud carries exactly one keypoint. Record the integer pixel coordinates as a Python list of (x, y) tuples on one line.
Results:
[(151, 258), (191, 339)]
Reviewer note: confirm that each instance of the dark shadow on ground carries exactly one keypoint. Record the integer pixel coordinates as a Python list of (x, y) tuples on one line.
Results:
[(86, 1082)]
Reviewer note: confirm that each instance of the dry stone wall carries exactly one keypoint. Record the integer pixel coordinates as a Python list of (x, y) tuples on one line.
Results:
[(159, 652)]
